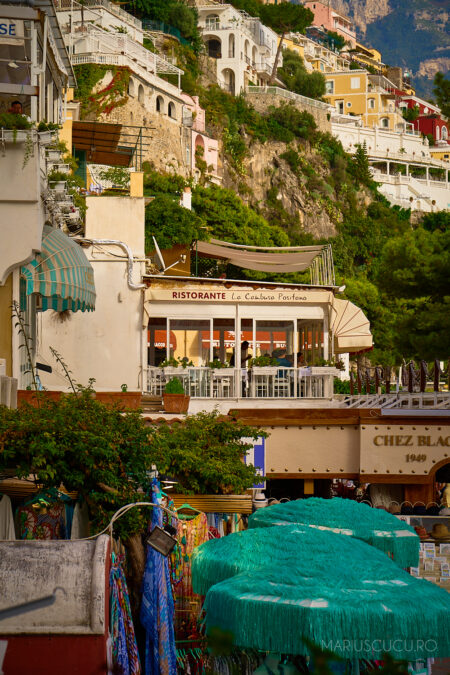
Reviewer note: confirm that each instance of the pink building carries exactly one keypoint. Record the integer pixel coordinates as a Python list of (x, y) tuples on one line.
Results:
[(328, 18), (200, 139)]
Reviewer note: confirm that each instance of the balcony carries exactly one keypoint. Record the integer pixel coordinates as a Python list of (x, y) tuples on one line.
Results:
[(273, 382)]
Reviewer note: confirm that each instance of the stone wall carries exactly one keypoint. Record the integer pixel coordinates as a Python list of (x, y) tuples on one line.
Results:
[(168, 140), (262, 102)]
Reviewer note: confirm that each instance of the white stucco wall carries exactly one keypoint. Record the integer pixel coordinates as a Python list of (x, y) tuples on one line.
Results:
[(379, 140), (105, 344), (21, 209)]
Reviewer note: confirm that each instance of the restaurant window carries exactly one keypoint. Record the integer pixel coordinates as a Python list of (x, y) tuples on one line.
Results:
[(224, 340), (188, 335), (157, 341), (310, 342), (275, 338)]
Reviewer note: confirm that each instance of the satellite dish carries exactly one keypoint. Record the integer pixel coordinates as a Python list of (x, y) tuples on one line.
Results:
[(159, 258)]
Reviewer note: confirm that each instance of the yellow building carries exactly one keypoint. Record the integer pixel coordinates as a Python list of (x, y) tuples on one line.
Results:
[(367, 56), (316, 56), (441, 152), (357, 92)]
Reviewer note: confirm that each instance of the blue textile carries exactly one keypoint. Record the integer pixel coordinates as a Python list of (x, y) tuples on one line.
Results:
[(157, 608)]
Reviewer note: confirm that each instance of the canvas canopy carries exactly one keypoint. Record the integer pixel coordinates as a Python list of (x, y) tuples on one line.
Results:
[(281, 260), (61, 274), (350, 327)]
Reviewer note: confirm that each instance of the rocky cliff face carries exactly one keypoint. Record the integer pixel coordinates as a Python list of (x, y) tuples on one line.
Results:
[(413, 34)]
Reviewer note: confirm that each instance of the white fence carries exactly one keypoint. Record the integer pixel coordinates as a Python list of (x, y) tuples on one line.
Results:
[(272, 382)]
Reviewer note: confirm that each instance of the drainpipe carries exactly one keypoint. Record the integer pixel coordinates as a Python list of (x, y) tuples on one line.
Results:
[(124, 247)]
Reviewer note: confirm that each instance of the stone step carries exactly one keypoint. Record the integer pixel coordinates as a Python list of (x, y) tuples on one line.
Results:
[(151, 404)]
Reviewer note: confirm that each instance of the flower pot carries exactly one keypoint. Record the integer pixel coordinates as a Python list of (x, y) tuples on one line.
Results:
[(46, 137), (126, 399), (53, 155), (176, 403), (32, 397), (57, 186), (18, 136)]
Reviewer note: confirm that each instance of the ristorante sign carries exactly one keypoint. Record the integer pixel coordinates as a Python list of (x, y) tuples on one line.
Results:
[(238, 295)]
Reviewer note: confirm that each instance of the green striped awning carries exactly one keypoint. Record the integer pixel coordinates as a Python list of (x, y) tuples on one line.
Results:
[(61, 273)]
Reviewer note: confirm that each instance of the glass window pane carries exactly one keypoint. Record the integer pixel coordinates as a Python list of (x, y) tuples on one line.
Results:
[(224, 339), (310, 342), (276, 338), (191, 340), (157, 337)]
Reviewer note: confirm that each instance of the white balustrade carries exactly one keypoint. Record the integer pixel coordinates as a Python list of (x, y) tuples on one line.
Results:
[(273, 382)]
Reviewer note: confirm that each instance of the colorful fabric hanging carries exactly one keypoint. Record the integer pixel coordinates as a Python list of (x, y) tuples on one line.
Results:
[(124, 647), (48, 524), (157, 608)]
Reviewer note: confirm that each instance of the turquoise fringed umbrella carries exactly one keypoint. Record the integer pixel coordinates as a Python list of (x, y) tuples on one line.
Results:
[(374, 526), (274, 587)]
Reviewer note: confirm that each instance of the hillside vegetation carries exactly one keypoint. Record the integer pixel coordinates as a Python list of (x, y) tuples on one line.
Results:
[(306, 190)]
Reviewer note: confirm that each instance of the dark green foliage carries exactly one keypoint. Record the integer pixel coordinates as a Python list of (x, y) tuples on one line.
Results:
[(227, 218), (156, 183), (174, 386), (411, 114), (170, 224), (286, 17), (293, 159), (335, 41), (361, 165), (175, 13), (204, 454), (106, 455), (442, 92), (297, 79)]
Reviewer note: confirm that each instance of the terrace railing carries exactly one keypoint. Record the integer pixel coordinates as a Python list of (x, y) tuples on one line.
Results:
[(275, 382)]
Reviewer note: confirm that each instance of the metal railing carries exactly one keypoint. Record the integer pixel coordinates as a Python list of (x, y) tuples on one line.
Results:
[(110, 6), (419, 400), (284, 93), (272, 382)]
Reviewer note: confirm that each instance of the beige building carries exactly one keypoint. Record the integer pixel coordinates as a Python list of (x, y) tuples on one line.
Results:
[(357, 92), (316, 56)]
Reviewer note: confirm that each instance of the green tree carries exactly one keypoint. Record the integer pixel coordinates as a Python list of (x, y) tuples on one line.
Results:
[(361, 165), (297, 79), (411, 114), (442, 92), (170, 224), (335, 41), (414, 270), (285, 18)]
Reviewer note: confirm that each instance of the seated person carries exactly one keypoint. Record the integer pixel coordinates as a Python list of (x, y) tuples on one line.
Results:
[(283, 360), (15, 108)]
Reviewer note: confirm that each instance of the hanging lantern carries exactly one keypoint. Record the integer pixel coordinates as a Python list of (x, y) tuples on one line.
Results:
[(162, 540)]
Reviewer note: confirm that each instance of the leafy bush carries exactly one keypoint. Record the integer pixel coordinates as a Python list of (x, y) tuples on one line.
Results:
[(170, 224), (174, 386), (297, 79)]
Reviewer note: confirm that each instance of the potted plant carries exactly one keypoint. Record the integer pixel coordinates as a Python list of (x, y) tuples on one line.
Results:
[(217, 364), (263, 361), (124, 398), (47, 131), (175, 400), (15, 127)]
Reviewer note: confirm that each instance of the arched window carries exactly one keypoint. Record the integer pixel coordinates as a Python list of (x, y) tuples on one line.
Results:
[(231, 46), (444, 135), (214, 48), (371, 103), (212, 21), (438, 135), (141, 94), (159, 104), (384, 122), (229, 80), (254, 55), (171, 111), (131, 87)]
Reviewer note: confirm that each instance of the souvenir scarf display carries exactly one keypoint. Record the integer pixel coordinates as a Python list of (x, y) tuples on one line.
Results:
[(124, 647), (191, 533), (157, 607)]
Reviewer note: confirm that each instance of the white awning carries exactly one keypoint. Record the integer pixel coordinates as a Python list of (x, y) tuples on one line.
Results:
[(350, 326), (262, 259)]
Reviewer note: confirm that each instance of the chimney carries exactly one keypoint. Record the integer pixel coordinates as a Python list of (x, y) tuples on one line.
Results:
[(186, 198)]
